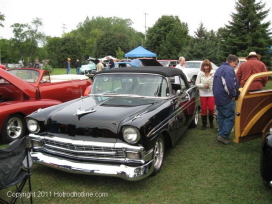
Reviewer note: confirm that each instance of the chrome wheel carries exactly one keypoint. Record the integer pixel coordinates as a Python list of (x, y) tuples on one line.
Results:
[(158, 154), (13, 128), (194, 122)]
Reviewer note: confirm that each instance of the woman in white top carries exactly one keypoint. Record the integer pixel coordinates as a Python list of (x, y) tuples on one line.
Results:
[(204, 82)]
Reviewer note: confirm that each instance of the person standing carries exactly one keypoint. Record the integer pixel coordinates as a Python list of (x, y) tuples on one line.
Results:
[(204, 82), (68, 66), (37, 65), (225, 91), (111, 62), (78, 65), (253, 65), (99, 66), (181, 66)]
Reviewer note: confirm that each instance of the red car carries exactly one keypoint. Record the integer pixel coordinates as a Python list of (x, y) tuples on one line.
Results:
[(25, 90), (3, 67)]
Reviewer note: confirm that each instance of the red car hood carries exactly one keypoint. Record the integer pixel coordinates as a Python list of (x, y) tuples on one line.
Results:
[(25, 87), (2, 67)]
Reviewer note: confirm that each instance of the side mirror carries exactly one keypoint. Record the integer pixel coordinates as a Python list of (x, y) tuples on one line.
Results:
[(179, 92)]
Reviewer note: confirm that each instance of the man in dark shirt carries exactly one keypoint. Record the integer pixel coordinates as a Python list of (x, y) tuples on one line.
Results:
[(111, 62), (78, 65), (225, 91)]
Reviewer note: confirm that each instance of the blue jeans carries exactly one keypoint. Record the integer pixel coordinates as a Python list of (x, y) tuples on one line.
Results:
[(77, 70), (68, 70), (225, 117)]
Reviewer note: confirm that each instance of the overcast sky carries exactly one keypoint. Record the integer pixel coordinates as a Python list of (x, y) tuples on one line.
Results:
[(64, 15)]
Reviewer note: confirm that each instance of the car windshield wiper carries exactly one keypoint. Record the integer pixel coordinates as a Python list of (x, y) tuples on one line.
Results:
[(128, 95), (119, 95), (110, 93)]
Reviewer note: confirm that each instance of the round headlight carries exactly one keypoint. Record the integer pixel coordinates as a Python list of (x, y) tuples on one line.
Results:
[(33, 126), (131, 135)]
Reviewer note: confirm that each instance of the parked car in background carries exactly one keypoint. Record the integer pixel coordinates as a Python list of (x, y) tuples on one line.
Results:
[(142, 62), (241, 61), (254, 119), (124, 64), (193, 67), (89, 68), (24, 90), (121, 129), (168, 63), (125, 60)]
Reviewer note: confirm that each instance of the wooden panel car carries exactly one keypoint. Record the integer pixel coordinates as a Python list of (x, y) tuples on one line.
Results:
[(254, 120)]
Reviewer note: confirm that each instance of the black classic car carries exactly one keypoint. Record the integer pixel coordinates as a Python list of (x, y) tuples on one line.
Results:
[(254, 120), (122, 128)]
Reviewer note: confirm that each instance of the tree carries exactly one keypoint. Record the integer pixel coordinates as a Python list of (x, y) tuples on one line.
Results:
[(2, 18), (93, 31), (167, 37), (7, 51), (34, 38), (247, 31), (19, 39), (109, 43), (27, 39), (119, 53), (53, 45), (60, 49), (204, 45)]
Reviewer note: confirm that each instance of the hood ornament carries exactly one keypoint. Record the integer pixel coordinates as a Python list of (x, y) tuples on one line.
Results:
[(80, 112)]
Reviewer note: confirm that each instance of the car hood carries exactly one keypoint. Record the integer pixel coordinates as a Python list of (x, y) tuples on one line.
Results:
[(25, 87), (190, 70), (89, 117), (88, 66)]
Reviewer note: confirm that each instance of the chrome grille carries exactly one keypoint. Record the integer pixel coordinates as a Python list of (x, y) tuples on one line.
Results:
[(82, 152)]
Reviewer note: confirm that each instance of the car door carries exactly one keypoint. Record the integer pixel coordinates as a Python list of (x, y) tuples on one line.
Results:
[(181, 104), (253, 111)]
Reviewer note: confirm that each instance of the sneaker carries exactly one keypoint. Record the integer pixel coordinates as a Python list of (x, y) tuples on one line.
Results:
[(223, 140)]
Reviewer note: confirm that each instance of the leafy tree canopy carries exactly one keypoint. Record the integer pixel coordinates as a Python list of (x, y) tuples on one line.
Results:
[(167, 37), (247, 31)]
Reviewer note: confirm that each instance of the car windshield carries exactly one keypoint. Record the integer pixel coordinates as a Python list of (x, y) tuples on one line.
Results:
[(192, 65), (145, 85), (26, 74), (164, 63)]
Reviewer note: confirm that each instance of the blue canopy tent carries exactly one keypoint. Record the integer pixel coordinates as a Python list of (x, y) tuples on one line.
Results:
[(140, 52)]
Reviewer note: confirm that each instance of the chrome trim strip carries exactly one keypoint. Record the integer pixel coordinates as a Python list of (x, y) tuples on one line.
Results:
[(86, 157), (78, 151), (163, 123), (114, 170), (86, 143)]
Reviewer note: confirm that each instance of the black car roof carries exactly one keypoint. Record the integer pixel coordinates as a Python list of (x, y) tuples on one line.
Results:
[(165, 71)]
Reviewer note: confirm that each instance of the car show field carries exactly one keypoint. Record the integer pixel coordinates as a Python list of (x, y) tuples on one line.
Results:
[(197, 169)]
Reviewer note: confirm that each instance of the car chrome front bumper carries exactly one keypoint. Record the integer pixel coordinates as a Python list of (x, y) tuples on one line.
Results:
[(115, 170)]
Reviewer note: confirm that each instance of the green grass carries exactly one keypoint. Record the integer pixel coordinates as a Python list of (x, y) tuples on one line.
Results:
[(197, 170), (57, 71)]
